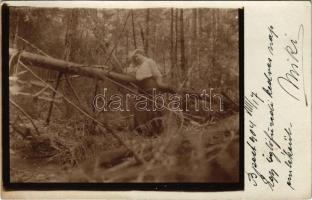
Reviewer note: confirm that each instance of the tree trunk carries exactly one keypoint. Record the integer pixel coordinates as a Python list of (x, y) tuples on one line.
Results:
[(142, 36), (127, 46), (182, 49), (194, 37), (100, 72), (155, 52), (68, 56), (133, 29), (16, 32), (176, 44), (171, 43), (213, 60), (164, 54), (14, 67), (71, 26), (78, 69), (146, 47), (53, 96), (199, 36)]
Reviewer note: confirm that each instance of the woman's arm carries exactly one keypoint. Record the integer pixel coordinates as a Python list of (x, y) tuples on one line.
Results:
[(158, 78)]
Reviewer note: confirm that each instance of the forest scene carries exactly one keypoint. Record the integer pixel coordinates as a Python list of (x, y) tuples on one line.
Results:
[(61, 60)]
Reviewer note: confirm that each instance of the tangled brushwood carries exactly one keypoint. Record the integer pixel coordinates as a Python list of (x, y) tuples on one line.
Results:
[(189, 152)]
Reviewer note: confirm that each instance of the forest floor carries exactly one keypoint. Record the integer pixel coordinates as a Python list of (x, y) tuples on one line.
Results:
[(64, 153), (34, 170)]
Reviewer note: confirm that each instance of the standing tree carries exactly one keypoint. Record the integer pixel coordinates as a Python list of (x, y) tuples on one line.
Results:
[(71, 26), (182, 48), (147, 30), (194, 37), (133, 30), (200, 21), (176, 44), (171, 42)]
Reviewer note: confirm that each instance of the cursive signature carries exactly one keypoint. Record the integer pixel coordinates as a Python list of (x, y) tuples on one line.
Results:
[(290, 81)]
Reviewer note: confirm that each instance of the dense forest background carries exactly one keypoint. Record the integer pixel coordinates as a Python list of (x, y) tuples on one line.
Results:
[(197, 47), (176, 39)]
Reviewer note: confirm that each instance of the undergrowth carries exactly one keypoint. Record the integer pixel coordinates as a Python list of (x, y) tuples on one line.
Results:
[(184, 152)]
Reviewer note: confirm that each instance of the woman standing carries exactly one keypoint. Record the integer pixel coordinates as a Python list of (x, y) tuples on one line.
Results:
[(145, 70)]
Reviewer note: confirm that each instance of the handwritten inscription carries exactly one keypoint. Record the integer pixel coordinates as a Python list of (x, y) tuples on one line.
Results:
[(251, 142), (272, 36), (288, 153), (272, 146), (268, 74)]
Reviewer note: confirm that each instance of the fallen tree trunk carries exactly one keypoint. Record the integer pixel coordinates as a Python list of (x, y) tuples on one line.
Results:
[(70, 67), (101, 72)]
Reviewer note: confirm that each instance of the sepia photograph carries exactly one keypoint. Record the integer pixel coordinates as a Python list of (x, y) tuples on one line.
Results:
[(120, 95)]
